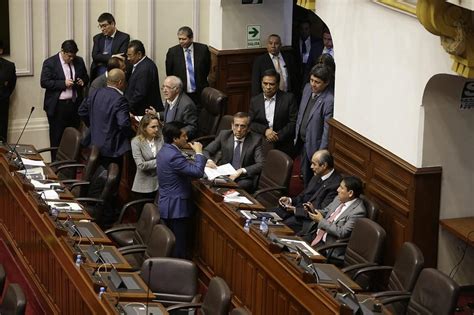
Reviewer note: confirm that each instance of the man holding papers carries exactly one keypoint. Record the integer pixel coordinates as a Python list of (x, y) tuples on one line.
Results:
[(241, 148)]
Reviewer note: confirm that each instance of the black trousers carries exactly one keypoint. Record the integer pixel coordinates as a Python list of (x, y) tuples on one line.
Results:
[(65, 115), (180, 228), (4, 106)]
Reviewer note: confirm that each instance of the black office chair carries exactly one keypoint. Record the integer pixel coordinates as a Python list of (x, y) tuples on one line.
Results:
[(160, 244), (3, 277), (434, 294), (216, 301), (371, 207), (14, 301), (214, 104), (172, 280)]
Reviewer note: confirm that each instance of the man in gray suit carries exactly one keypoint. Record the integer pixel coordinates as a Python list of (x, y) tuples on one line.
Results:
[(101, 80), (337, 220), (240, 147), (316, 108), (179, 106)]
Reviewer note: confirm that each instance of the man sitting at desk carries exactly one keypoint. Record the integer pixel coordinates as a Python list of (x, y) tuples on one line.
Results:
[(240, 147), (337, 220)]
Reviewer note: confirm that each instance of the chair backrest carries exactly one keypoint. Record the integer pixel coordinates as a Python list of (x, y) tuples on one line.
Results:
[(371, 207), (275, 172), (148, 219), (214, 104), (217, 299), (112, 182), (70, 145), (172, 280), (365, 246), (225, 123), (434, 293), (14, 301), (92, 163), (161, 242)]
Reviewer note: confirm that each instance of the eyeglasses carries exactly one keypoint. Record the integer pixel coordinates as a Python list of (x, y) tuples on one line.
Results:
[(103, 25), (168, 87)]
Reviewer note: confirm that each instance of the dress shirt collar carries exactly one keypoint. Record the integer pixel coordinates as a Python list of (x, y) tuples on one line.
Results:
[(323, 178), (347, 204), (241, 140), (273, 98), (135, 65), (191, 47), (279, 56), (113, 35), (62, 60), (173, 102)]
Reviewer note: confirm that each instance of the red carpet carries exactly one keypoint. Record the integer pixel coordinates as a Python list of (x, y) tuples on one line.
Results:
[(16, 275)]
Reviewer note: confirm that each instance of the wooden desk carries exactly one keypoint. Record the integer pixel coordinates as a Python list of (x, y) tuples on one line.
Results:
[(153, 307), (257, 277), (462, 228)]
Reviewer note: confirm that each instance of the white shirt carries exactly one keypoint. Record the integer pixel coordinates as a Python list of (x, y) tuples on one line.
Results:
[(152, 146), (173, 102), (241, 144), (269, 109), (307, 43), (67, 93), (188, 82), (329, 51), (324, 177)]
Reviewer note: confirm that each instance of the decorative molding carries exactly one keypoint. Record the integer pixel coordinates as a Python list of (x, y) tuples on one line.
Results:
[(454, 26), (111, 7), (46, 46), (151, 29), (87, 33), (404, 6), (70, 19), (29, 71)]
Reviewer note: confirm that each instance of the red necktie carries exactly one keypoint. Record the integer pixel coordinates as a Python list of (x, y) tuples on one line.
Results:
[(320, 234)]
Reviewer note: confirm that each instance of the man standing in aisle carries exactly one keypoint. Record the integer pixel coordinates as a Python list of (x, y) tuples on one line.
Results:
[(64, 77), (7, 85), (143, 88)]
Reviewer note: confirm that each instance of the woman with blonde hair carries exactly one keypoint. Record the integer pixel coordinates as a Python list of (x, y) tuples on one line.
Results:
[(145, 146)]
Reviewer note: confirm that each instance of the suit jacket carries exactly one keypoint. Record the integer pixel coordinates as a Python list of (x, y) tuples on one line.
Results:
[(316, 48), (251, 156), (146, 179), (186, 113), (342, 227), (7, 79), (99, 82), (284, 119), (317, 131), (119, 45), (176, 65), (174, 175), (53, 80), (144, 88), (264, 62), (105, 112)]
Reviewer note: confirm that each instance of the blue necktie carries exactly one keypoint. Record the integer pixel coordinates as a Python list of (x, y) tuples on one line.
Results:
[(236, 156), (189, 66), (108, 45)]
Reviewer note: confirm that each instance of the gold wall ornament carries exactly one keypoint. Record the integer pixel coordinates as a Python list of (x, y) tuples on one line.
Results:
[(454, 25)]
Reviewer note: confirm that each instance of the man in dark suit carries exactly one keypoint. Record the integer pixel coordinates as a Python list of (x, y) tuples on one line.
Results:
[(240, 147), (64, 77), (101, 80), (7, 85), (307, 50), (191, 62), (105, 112), (174, 175), (109, 43), (320, 192), (316, 108), (179, 106), (143, 88), (282, 62), (336, 221), (273, 113)]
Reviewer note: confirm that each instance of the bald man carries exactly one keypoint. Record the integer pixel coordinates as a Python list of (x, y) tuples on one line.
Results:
[(105, 112)]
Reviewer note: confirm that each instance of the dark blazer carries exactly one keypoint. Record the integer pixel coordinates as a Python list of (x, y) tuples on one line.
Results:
[(284, 119), (251, 156), (316, 48), (99, 82), (185, 112), (174, 175), (119, 45), (176, 65), (105, 112), (53, 80), (7, 79), (144, 88), (264, 62), (317, 131)]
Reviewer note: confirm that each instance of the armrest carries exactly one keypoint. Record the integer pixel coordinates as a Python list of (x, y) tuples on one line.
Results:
[(268, 189), (71, 181), (397, 298), (132, 249), (78, 184), (371, 269), (357, 266), (183, 305), (63, 162), (130, 204), (332, 246), (47, 149), (89, 200), (67, 166), (382, 294), (120, 228), (208, 138)]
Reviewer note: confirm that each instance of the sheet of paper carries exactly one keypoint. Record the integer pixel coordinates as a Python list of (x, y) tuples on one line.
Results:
[(226, 169), (61, 205), (49, 195), (238, 199), (28, 162), (39, 185)]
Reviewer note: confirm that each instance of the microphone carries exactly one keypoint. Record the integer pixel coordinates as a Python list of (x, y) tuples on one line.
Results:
[(21, 134), (315, 272), (150, 264)]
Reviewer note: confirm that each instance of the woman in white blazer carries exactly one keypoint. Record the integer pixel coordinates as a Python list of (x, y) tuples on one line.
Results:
[(145, 146)]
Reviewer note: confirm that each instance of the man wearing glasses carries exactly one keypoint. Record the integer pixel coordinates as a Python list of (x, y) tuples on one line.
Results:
[(109, 43)]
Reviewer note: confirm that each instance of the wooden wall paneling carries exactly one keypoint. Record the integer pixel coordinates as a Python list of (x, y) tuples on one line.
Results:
[(408, 196)]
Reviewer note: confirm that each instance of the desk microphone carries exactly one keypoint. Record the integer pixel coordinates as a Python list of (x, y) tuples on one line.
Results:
[(315, 272), (21, 134), (150, 265)]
